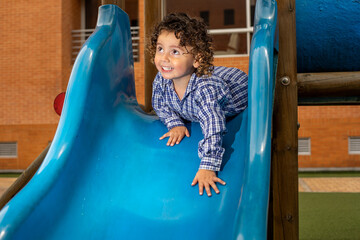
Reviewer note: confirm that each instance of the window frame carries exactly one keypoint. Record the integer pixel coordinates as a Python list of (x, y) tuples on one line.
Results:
[(15, 152), (308, 153), (353, 152)]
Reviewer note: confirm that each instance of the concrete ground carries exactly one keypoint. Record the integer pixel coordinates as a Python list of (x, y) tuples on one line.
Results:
[(333, 184)]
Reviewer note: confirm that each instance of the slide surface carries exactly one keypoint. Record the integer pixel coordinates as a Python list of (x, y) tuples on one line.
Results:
[(107, 176)]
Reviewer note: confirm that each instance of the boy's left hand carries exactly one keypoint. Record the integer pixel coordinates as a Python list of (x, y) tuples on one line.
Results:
[(207, 179)]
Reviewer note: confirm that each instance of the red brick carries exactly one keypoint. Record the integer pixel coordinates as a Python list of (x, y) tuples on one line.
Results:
[(329, 128)]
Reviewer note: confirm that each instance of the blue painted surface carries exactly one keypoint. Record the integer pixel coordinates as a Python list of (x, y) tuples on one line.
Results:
[(107, 176), (328, 35)]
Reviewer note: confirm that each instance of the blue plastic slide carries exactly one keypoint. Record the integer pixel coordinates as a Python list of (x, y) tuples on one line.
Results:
[(107, 176)]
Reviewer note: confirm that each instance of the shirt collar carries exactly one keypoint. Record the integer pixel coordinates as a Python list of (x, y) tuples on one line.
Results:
[(167, 81), (192, 83), (190, 87)]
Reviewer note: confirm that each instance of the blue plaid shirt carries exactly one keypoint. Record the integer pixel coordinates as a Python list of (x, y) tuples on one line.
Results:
[(208, 100)]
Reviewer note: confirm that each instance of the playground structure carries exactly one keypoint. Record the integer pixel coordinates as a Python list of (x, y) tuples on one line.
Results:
[(95, 183), (283, 194)]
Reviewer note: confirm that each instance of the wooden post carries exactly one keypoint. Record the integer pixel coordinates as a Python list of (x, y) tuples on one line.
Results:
[(330, 84), (283, 208), (120, 3), (152, 12)]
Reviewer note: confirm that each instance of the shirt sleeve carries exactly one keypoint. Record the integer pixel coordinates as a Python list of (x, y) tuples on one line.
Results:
[(170, 118), (237, 81), (213, 123)]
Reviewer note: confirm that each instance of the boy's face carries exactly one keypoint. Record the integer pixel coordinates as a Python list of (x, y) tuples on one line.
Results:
[(173, 61)]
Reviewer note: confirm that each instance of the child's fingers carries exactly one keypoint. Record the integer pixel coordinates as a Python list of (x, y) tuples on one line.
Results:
[(219, 181), (213, 185), (194, 182), (207, 189), (175, 139), (179, 138), (164, 136), (201, 188), (170, 141)]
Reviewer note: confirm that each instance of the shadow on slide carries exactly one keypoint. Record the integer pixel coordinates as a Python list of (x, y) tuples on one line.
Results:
[(107, 176)]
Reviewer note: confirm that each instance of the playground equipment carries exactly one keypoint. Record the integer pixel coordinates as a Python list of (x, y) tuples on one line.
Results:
[(106, 174), (327, 40), (98, 109), (297, 87)]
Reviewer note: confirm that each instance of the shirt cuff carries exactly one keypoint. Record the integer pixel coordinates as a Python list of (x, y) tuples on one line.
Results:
[(173, 122), (212, 164)]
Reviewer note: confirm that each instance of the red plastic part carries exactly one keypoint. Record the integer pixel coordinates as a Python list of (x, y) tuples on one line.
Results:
[(59, 102)]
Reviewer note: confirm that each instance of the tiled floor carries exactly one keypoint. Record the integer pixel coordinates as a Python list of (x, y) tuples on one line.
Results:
[(343, 184), (5, 183), (334, 184)]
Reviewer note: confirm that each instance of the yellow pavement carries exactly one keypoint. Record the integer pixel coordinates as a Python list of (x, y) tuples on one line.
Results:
[(330, 184)]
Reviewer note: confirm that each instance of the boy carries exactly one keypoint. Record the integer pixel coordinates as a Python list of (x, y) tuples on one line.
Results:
[(189, 87)]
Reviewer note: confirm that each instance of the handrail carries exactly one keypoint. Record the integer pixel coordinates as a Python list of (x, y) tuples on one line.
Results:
[(79, 37), (254, 201), (230, 30)]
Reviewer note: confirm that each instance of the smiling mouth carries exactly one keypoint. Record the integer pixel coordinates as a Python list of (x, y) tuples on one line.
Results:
[(167, 68)]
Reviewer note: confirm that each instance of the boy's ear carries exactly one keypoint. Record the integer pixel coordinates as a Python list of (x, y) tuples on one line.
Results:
[(196, 64), (197, 60)]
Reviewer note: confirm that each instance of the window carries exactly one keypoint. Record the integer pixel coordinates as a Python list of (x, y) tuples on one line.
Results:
[(354, 145), (205, 16), (8, 150), (229, 22), (88, 19), (252, 11), (304, 146), (229, 17)]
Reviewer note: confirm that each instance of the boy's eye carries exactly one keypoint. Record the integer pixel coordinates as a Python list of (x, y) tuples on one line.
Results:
[(175, 52), (159, 49)]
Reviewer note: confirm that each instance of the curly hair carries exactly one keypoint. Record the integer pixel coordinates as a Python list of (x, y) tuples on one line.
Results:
[(191, 32)]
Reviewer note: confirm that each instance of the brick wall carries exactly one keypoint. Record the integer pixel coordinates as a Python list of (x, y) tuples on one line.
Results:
[(30, 65), (329, 128), (70, 19), (238, 62), (35, 66), (31, 141)]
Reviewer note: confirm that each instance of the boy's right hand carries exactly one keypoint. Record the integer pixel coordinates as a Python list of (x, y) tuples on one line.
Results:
[(176, 134)]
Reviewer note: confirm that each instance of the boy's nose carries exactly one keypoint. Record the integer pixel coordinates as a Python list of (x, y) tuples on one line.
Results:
[(165, 57)]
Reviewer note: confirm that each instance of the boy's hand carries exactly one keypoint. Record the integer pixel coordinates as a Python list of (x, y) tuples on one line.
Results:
[(176, 134), (207, 179)]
